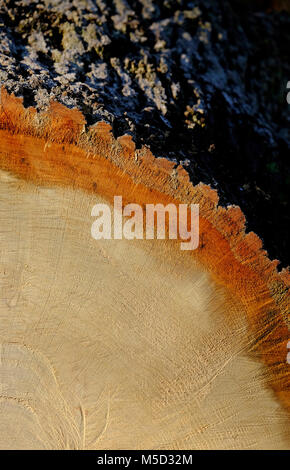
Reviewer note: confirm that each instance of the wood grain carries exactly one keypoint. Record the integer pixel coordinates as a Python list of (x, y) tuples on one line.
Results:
[(129, 344)]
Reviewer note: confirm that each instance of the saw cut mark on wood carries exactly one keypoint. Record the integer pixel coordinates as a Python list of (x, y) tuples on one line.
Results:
[(129, 344)]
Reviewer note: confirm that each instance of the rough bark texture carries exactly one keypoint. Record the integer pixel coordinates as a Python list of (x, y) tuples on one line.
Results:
[(203, 83)]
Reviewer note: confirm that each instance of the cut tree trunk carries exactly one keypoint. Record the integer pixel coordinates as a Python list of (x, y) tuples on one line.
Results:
[(115, 344)]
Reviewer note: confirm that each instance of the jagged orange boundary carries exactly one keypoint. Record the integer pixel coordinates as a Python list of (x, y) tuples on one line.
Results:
[(56, 148)]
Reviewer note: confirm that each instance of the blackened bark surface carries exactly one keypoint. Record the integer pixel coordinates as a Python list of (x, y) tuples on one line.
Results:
[(201, 82)]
